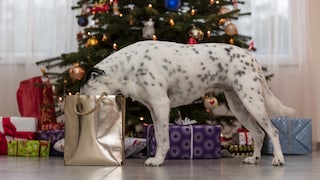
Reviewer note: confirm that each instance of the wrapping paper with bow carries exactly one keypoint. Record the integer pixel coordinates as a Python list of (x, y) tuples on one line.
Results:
[(16, 128)]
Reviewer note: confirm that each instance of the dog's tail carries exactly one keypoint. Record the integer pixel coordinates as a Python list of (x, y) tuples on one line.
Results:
[(273, 104)]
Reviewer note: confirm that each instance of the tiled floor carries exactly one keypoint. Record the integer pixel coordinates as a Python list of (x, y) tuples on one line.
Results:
[(305, 167)]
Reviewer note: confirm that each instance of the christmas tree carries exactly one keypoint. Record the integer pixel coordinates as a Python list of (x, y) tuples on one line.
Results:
[(109, 25)]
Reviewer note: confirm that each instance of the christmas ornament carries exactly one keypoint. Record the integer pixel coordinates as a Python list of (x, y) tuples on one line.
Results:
[(99, 7), (196, 33), (231, 29), (83, 20), (115, 8), (92, 41), (224, 10), (210, 103), (76, 72), (192, 41), (172, 5), (148, 30)]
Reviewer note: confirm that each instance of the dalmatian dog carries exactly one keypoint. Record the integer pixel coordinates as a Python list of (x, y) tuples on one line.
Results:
[(162, 75)]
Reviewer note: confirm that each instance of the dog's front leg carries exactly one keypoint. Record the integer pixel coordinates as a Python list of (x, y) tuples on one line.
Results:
[(160, 116)]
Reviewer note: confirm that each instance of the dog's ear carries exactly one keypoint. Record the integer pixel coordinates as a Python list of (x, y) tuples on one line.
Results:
[(93, 73)]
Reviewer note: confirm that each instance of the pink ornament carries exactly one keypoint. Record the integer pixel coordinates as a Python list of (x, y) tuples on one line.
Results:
[(192, 41)]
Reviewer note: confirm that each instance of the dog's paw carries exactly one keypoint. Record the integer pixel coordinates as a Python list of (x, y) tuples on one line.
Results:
[(153, 161), (251, 160), (278, 161)]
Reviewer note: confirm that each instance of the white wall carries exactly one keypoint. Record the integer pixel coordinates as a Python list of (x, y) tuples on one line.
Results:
[(10, 77)]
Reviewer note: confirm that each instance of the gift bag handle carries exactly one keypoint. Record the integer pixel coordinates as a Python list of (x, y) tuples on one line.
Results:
[(103, 94)]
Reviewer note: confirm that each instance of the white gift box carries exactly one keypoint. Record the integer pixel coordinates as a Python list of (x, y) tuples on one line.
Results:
[(21, 124)]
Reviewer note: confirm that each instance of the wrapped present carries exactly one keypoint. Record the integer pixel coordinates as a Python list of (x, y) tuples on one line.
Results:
[(12, 147), (242, 137), (13, 128), (295, 135), (28, 148), (35, 99), (189, 141), (44, 148), (134, 145), (237, 150), (53, 136)]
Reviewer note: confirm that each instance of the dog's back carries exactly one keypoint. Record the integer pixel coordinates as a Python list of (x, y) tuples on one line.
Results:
[(185, 71)]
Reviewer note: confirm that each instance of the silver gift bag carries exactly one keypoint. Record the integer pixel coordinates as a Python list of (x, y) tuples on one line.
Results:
[(94, 130)]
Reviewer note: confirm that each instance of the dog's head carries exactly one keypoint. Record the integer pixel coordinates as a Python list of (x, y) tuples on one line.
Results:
[(96, 82)]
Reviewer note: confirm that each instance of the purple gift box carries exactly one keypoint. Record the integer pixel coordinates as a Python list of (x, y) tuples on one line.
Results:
[(189, 142), (53, 136)]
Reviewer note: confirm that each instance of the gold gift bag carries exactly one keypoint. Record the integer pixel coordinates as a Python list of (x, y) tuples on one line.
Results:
[(94, 130)]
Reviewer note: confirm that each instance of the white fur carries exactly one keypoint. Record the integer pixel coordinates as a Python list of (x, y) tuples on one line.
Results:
[(162, 75)]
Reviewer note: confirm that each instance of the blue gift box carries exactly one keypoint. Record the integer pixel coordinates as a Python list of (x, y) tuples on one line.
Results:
[(295, 135), (189, 142)]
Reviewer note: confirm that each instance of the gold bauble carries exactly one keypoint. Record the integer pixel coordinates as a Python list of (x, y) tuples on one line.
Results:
[(92, 41), (231, 29), (76, 72), (196, 33)]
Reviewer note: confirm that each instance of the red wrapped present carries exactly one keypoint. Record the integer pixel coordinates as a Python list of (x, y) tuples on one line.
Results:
[(35, 99), (16, 128)]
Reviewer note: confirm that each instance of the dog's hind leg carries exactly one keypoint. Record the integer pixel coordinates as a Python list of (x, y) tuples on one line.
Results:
[(245, 118), (251, 95), (159, 110)]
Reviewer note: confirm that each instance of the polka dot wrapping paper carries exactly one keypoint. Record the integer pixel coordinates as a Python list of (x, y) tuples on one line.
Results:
[(189, 142)]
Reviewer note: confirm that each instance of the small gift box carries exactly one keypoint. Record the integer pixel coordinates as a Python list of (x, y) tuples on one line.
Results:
[(53, 136), (44, 148), (242, 137), (295, 135), (12, 147), (189, 141), (28, 148)]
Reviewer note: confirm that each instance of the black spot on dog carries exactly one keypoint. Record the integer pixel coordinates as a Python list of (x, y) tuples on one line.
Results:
[(195, 50), (239, 73), (165, 67), (220, 67)]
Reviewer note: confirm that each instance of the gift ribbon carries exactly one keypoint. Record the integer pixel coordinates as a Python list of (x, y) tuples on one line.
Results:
[(3, 144), (191, 141)]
